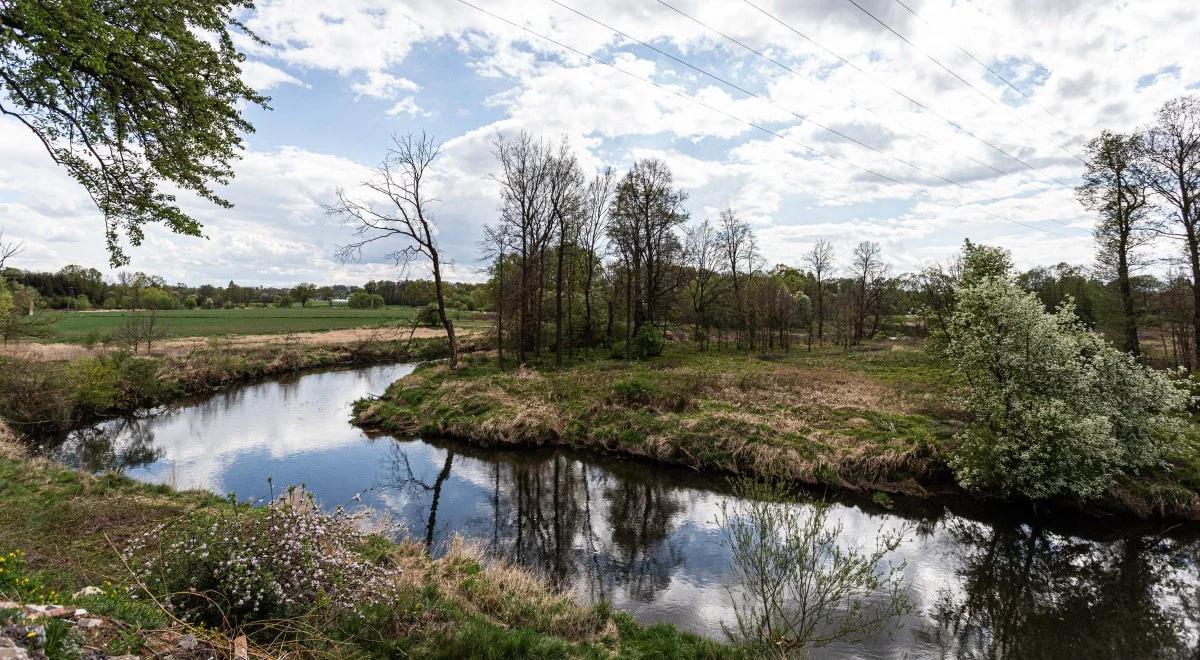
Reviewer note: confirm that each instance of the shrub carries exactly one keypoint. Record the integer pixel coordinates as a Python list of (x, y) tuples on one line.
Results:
[(285, 560), (428, 316), (1059, 411), (648, 342)]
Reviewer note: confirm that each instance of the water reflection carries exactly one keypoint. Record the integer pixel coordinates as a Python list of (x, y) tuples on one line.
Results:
[(645, 538), (1029, 593)]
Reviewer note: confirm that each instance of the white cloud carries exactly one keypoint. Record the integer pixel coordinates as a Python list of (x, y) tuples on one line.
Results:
[(262, 76), (383, 85), (407, 105)]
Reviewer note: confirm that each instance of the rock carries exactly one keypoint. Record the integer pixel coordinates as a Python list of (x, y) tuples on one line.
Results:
[(9, 605), (188, 642), (88, 591), (90, 623), (79, 612), (10, 651)]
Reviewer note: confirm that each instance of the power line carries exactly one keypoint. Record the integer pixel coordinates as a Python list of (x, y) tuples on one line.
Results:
[(985, 66), (795, 72), (903, 95), (964, 81), (852, 102), (744, 121), (751, 94)]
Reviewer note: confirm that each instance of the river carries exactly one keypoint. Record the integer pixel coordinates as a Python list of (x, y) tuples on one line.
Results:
[(646, 538)]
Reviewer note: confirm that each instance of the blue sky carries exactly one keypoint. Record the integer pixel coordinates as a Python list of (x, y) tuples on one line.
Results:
[(344, 77)]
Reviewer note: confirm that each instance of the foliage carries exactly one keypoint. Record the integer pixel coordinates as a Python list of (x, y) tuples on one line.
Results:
[(1058, 410), (428, 316), (648, 342), (128, 97), (242, 565), (799, 587), (364, 300)]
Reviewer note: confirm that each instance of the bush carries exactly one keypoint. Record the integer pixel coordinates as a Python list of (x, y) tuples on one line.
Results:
[(1059, 411), (364, 300), (285, 560), (648, 342), (428, 316)]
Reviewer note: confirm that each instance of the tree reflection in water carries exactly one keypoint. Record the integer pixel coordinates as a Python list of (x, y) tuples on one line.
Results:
[(1027, 593), (578, 527), (116, 445)]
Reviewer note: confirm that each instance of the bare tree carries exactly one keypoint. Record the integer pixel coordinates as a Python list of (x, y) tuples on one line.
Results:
[(495, 244), (9, 249), (1115, 186), (737, 245), (525, 163), (645, 213), (704, 255), (869, 272), (592, 230), (1172, 152), (820, 261), (566, 206), (402, 213)]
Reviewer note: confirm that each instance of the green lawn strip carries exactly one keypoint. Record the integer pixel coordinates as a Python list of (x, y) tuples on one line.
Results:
[(74, 327)]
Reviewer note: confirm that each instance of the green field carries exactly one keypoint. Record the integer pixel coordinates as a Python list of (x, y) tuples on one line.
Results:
[(75, 327)]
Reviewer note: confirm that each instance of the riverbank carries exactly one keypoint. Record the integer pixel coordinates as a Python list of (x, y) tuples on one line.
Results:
[(40, 397), (63, 530), (881, 419)]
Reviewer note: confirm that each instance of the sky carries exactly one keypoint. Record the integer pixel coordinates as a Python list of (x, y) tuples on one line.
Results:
[(812, 120)]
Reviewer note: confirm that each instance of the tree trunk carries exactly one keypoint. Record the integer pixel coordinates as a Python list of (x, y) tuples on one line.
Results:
[(441, 302)]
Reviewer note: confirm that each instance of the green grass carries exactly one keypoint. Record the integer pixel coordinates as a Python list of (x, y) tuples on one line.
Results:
[(882, 417), (878, 418), (76, 326)]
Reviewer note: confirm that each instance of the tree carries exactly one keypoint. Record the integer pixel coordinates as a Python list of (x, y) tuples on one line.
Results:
[(1171, 147), (820, 261), (9, 249), (1058, 410), (705, 258), (566, 206), (399, 180), (130, 97), (593, 227), (737, 246), (645, 213), (869, 274), (1116, 186), (304, 292), (525, 163)]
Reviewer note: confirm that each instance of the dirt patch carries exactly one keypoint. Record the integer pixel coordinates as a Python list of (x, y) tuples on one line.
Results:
[(179, 346)]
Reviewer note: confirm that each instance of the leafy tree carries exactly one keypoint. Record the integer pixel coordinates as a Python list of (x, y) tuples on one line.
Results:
[(129, 96), (303, 293), (1058, 410), (1116, 186)]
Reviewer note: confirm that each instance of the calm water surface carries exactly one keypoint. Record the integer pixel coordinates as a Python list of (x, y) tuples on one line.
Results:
[(646, 538)]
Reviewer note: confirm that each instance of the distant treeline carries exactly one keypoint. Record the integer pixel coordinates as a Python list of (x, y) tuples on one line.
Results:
[(76, 287)]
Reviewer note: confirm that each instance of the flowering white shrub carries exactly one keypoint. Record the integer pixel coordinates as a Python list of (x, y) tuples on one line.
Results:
[(282, 560), (1059, 410)]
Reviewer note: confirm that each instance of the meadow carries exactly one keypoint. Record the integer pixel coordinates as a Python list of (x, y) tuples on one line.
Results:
[(78, 327)]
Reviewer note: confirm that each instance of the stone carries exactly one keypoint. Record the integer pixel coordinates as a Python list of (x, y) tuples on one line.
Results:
[(88, 591), (90, 623), (10, 651), (188, 642)]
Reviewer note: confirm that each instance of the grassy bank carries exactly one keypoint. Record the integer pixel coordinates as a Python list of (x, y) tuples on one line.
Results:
[(89, 326), (37, 398), (882, 418), (67, 527)]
